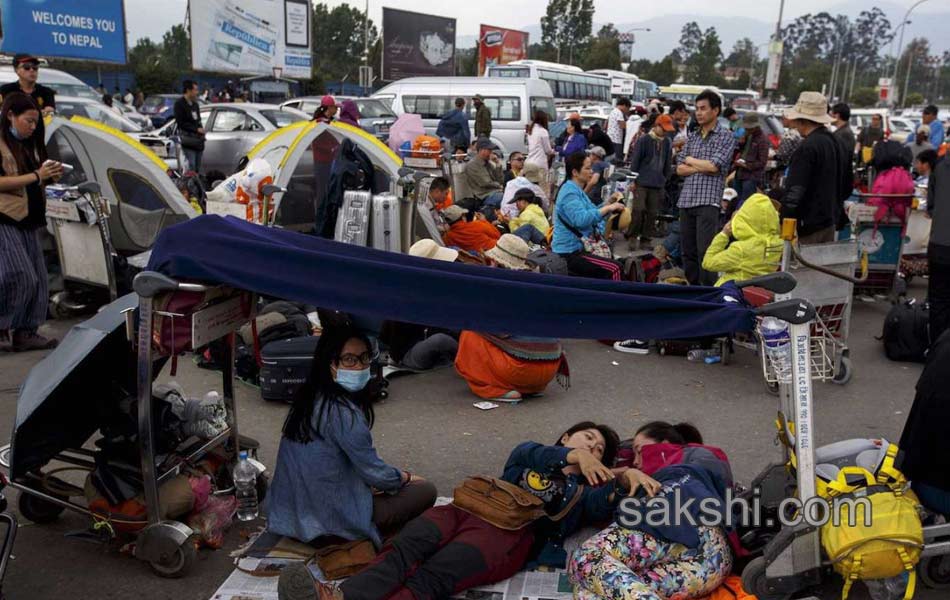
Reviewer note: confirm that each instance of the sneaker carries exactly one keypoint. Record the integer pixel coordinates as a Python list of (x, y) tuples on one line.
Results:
[(24, 342), (633, 346), (296, 583), (512, 397)]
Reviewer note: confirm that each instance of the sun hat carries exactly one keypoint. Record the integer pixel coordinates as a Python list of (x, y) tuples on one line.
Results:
[(511, 251), (597, 151), (750, 121), (924, 129), (453, 213), (811, 106), (533, 173), (429, 249)]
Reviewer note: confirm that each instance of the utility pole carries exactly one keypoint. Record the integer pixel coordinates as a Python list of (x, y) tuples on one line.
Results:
[(900, 45)]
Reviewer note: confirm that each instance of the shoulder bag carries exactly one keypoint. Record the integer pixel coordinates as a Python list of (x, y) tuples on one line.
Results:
[(504, 504), (593, 244)]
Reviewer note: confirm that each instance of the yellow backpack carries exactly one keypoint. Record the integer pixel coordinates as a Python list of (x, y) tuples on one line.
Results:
[(891, 543)]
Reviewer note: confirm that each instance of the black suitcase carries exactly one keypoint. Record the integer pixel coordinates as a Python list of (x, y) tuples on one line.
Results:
[(285, 366)]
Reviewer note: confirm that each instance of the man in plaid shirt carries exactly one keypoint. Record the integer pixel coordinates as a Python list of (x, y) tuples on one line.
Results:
[(703, 163)]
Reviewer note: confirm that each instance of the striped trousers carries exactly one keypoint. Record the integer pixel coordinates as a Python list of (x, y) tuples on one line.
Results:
[(24, 289)]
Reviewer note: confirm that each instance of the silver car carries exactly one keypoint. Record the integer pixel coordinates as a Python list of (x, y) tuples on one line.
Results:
[(231, 130), (69, 106), (375, 116)]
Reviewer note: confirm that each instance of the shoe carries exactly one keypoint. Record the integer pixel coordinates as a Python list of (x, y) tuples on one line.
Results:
[(296, 583), (24, 342), (633, 346), (512, 397)]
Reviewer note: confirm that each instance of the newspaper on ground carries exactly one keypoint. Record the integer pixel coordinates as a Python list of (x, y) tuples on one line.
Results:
[(526, 585), (256, 579)]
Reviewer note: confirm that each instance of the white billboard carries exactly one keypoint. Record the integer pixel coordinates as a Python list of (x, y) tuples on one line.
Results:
[(251, 37)]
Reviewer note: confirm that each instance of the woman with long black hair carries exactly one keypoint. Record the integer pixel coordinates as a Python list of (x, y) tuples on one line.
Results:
[(24, 170), (330, 484)]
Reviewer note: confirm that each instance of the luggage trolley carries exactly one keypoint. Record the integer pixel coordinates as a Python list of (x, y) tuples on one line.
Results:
[(883, 242)]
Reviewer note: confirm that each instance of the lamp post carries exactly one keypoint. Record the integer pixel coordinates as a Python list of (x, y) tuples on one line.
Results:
[(755, 59), (627, 40), (900, 43)]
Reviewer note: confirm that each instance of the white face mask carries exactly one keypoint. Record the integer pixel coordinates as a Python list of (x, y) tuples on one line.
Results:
[(352, 380)]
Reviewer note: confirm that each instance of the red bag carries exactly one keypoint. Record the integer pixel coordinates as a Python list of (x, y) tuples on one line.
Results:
[(656, 456)]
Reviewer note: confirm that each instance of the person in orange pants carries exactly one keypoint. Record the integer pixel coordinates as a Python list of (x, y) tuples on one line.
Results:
[(498, 368)]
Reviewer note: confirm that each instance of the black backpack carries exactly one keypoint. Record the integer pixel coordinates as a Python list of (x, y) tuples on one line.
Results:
[(906, 331)]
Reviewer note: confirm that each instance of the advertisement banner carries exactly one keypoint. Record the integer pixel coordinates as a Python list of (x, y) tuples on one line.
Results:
[(775, 64), (251, 37), (500, 46), (89, 30), (416, 45)]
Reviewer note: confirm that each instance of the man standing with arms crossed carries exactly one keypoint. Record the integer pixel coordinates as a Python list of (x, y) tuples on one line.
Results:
[(703, 163)]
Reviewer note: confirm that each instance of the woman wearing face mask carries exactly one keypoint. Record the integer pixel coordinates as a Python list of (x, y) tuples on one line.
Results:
[(24, 171), (330, 484)]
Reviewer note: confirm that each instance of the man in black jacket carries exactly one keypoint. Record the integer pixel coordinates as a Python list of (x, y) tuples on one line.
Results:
[(816, 182), (190, 130)]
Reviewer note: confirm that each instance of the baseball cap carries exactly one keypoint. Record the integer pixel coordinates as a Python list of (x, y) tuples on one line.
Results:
[(484, 143), (597, 151), (24, 58), (477, 97), (666, 122), (453, 213), (924, 129), (327, 101)]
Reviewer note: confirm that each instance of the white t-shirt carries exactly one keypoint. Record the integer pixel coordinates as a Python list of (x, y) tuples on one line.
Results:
[(508, 207), (539, 147), (614, 132)]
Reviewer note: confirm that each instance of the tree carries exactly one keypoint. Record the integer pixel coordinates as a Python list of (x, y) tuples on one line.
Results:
[(691, 37), (153, 75), (863, 97), (566, 28), (914, 99), (339, 41), (744, 54), (604, 52), (176, 49), (701, 52)]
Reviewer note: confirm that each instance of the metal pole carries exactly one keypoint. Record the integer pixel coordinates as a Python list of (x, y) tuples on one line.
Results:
[(854, 71), (910, 56), (900, 43)]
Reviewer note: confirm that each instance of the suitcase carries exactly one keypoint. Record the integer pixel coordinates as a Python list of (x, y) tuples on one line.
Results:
[(906, 333), (285, 366), (352, 222), (385, 225), (547, 262)]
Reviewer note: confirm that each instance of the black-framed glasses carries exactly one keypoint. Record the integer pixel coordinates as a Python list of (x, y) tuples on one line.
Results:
[(350, 360)]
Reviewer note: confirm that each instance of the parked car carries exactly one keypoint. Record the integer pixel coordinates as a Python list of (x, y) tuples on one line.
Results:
[(135, 116), (861, 118), (903, 128), (771, 126), (69, 106), (61, 82), (375, 116), (231, 130), (160, 108)]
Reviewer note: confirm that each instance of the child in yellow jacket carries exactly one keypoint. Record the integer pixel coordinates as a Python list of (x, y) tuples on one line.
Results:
[(749, 245)]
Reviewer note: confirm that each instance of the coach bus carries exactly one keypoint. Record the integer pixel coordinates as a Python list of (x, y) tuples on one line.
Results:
[(568, 83), (686, 92), (628, 85)]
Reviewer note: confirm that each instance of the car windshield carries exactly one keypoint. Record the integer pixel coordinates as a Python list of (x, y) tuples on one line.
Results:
[(75, 89), (281, 118), (97, 112), (154, 101), (370, 109)]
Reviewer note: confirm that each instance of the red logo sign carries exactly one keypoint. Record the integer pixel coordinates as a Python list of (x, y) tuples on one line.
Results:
[(499, 46)]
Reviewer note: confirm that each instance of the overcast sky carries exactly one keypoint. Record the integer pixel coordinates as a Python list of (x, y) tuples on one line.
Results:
[(151, 18)]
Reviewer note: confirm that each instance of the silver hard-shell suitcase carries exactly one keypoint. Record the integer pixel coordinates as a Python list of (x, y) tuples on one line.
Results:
[(385, 224), (352, 222)]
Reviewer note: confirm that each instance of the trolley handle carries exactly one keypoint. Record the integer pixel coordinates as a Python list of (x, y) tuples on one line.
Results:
[(780, 282), (795, 311), (827, 271), (149, 284)]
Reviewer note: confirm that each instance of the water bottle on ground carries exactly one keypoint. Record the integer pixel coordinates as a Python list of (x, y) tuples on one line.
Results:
[(778, 347), (245, 489), (696, 355)]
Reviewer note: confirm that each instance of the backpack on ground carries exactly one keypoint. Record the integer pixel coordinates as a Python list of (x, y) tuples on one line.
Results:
[(644, 269), (547, 262), (906, 332)]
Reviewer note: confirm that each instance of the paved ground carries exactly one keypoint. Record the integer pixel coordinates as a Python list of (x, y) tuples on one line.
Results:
[(428, 426)]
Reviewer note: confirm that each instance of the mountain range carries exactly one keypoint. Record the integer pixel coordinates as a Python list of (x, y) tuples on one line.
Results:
[(664, 32)]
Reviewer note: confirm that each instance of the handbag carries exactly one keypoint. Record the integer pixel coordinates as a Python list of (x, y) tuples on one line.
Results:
[(593, 244), (504, 504), (342, 560), (192, 141)]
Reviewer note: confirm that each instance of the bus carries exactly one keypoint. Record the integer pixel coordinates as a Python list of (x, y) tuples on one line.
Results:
[(686, 92), (628, 85), (568, 83)]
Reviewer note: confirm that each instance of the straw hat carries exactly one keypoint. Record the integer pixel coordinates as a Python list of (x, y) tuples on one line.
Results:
[(429, 249), (511, 251), (811, 106), (533, 173)]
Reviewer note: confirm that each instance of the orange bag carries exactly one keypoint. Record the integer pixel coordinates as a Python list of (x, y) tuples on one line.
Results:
[(426, 146), (731, 589)]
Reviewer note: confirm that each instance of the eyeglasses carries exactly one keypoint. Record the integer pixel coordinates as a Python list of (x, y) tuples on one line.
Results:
[(29, 67), (352, 360)]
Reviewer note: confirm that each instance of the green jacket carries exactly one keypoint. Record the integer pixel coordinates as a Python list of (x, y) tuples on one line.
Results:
[(483, 121), (755, 247)]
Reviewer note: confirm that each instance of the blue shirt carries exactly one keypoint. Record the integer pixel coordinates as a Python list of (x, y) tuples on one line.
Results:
[(576, 209), (454, 127), (576, 143), (936, 133), (323, 487)]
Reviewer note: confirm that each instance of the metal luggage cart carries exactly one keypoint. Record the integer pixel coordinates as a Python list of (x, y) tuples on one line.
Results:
[(824, 273), (883, 241)]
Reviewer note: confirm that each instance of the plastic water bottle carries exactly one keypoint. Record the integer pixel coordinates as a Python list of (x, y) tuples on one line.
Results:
[(696, 355), (245, 488), (778, 347), (891, 588)]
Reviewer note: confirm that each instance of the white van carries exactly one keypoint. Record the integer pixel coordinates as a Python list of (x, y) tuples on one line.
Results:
[(512, 101)]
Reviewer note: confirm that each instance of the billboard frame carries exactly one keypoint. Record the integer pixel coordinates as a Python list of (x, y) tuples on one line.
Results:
[(382, 37)]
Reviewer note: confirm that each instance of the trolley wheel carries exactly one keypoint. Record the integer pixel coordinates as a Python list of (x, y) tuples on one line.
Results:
[(935, 571), (38, 510), (178, 563), (772, 388), (845, 371), (755, 582)]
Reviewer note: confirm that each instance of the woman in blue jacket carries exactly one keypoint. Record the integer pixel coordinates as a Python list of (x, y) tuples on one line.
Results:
[(329, 483), (448, 550), (576, 139), (576, 217)]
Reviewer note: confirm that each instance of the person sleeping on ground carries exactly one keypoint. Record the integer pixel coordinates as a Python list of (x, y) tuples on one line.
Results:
[(507, 368), (674, 559), (448, 550), (330, 485)]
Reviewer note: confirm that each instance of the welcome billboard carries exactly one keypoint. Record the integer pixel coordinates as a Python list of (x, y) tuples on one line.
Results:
[(500, 46), (90, 30), (416, 44), (251, 37)]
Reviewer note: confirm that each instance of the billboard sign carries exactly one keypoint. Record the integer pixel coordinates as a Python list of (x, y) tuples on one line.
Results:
[(415, 45), (775, 64), (90, 30), (251, 37), (499, 46)]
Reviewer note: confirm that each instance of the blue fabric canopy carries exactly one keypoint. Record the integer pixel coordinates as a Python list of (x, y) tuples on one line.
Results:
[(385, 285)]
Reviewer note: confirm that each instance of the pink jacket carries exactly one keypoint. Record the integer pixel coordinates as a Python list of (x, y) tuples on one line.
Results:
[(895, 180)]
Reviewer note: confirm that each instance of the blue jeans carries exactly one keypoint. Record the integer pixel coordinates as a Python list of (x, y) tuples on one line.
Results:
[(491, 202), (745, 187), (672, 241), (194, 159), (530, 234)]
